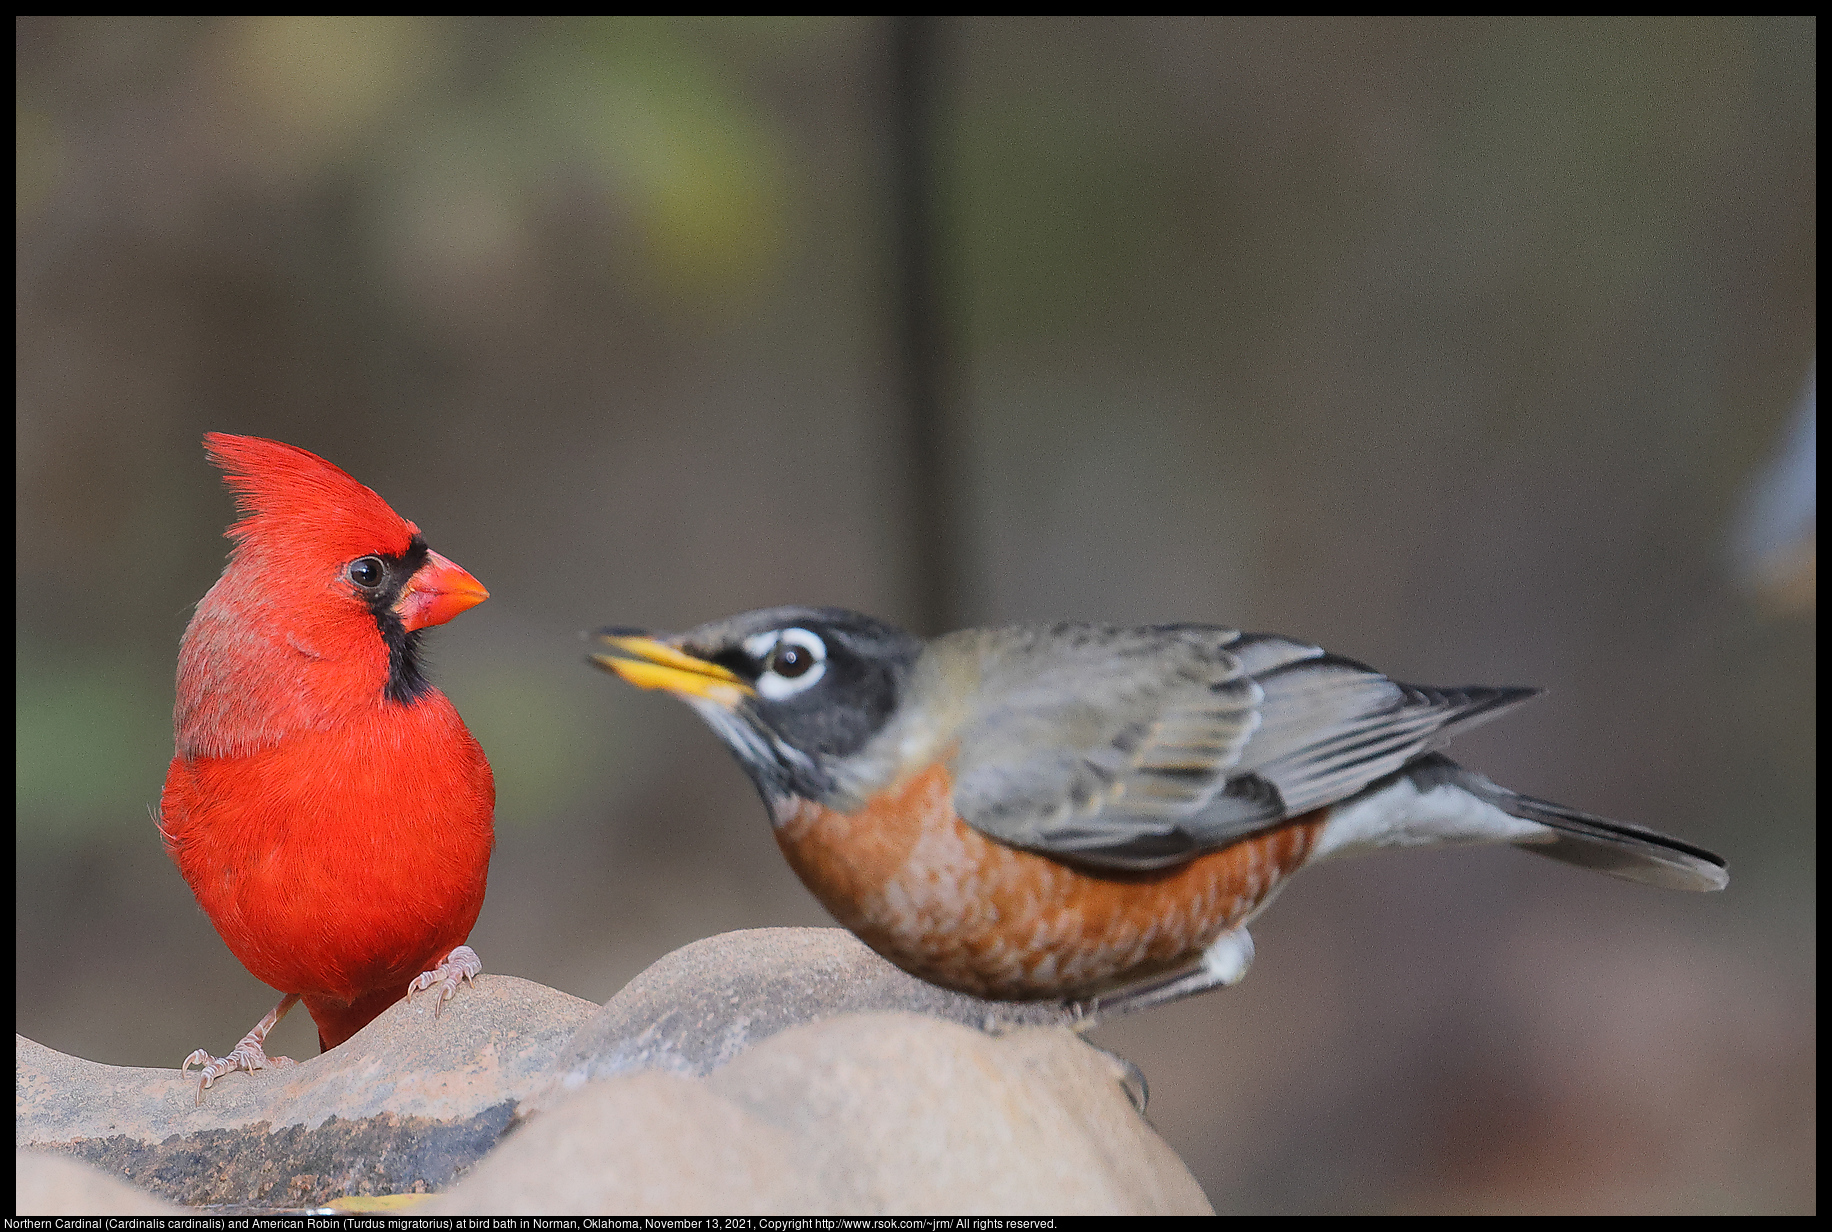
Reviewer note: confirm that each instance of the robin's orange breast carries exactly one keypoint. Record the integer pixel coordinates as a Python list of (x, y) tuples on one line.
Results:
[(943, 901)]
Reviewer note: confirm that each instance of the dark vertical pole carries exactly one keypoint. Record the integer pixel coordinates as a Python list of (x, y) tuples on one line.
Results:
[(932, 534)]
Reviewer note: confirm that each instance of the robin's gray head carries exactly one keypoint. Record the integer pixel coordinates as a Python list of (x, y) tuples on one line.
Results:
[(789, 689)]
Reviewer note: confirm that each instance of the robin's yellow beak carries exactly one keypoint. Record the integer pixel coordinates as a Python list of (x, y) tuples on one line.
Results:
[(649, 664)]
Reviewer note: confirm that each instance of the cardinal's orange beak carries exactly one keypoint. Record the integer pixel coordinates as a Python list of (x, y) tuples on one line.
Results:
[(438, 592)]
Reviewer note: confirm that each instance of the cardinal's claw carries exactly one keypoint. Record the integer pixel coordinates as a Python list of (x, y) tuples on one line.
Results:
[(248, 1055), (460, 965)]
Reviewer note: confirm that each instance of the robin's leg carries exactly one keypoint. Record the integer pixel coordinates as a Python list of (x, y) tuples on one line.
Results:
[(248, 1055), (1223, 964)]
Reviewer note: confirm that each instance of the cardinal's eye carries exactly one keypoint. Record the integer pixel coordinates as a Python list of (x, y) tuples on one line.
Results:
[(366, 572), (793, 660)]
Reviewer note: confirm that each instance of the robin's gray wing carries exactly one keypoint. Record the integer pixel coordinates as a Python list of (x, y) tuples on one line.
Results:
[(1329, 726), (1100, 744), (1141, 748)]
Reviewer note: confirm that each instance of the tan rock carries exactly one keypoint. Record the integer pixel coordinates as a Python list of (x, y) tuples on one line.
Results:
[(642, 1144), (736, 1076), (401, 1106), (704, 1004), (50, 1184), (885, 1113)]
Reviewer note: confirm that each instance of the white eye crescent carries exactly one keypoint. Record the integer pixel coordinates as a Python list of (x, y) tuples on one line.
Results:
[(793, 660)]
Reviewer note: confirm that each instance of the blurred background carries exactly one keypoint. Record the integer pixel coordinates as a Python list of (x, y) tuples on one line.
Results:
[(1472, 349)]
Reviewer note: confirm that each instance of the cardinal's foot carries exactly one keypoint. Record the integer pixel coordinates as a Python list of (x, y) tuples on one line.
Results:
[(248, 1055), (460, 965)]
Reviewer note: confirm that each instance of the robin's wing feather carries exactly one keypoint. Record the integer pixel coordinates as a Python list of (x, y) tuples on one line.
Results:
[(1114, 747), (1105, 744), (1142, 748), (1330, 726)]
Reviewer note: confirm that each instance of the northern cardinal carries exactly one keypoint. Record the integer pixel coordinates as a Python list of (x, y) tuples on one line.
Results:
[(327, 805)]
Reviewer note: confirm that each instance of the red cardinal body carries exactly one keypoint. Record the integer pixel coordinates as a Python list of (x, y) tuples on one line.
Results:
[(326, 804)]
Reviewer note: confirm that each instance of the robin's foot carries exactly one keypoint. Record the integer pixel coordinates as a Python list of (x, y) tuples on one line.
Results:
[(249, 1055), (1130, 1077), (460, 965)]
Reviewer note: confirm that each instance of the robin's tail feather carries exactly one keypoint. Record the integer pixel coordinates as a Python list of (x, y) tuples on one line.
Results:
[(1584, 839)]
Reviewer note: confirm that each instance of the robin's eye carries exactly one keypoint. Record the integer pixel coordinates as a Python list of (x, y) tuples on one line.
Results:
[(366, 572), (793, 659)]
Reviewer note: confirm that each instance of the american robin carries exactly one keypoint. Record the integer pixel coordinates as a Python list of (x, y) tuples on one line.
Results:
[(1086, 812)]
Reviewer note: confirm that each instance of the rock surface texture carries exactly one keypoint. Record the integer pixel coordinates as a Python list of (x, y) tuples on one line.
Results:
[(778, 1071), (400, 1107), (704, 1004), (50, 1184)]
